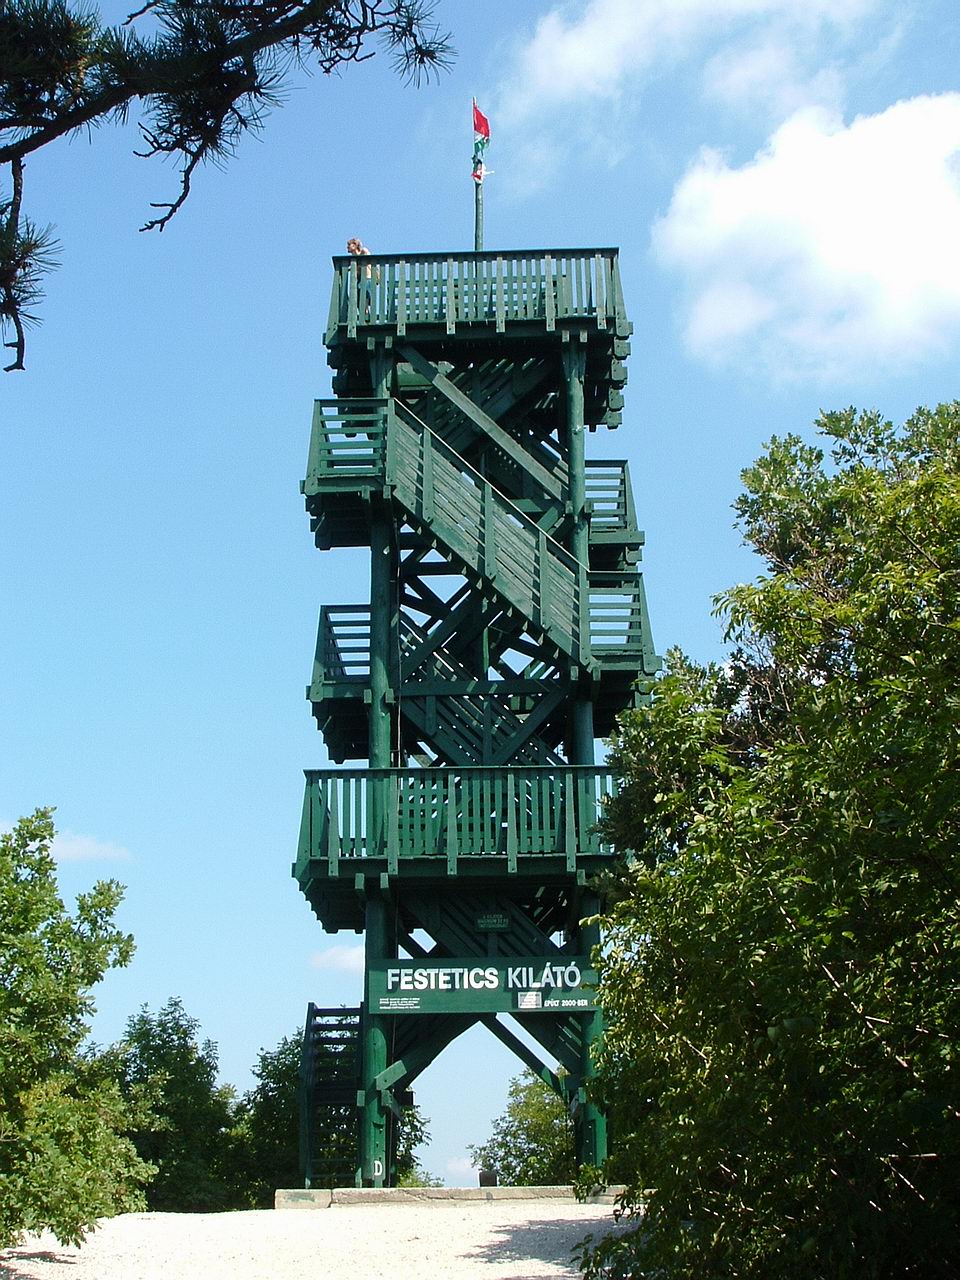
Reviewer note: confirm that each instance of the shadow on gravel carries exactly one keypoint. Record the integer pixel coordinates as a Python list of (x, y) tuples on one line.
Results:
[(548, 1240), (10, 1265)]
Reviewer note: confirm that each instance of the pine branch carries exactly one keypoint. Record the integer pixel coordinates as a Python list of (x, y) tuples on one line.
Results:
[(205, 78)]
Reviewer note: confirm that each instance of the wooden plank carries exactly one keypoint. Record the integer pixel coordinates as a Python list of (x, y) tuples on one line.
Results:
[(475, 827), (453, 847), (401, 297), (570, 825), (393, 820), (358, 832), (317, 817), (601, 295), (450, 300), (489, 536), (543, 581), (337, 308), (333, 829), (510, 781), (549, 304), (353, 292), (564, 300), (426, 477)]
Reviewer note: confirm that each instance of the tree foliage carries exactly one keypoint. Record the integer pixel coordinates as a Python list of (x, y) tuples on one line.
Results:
[(784, 944), (412, 1133), (203, 73), (532, 1142), (187, 1138), (64, 1159), (264, 1138)]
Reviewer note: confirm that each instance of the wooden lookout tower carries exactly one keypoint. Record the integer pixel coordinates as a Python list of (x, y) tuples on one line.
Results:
[(505, 629)]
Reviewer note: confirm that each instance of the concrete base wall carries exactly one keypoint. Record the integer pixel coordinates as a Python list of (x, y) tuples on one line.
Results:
[(325, 1199)]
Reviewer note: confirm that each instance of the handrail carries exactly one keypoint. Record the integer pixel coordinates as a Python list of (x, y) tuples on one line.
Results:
[(516, 513), (485, 255), (449, 289), (610, 495), (451, 812)]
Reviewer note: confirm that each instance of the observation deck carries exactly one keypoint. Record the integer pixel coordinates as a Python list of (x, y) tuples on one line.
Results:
[(536, 298)]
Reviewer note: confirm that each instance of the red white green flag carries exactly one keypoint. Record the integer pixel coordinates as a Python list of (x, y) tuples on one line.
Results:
[(481, 140)]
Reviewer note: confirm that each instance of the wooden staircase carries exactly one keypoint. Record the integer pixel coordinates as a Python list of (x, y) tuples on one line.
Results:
[(327, 1094)]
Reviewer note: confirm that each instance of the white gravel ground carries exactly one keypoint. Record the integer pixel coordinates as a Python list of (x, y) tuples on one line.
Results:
[(502, 1240)]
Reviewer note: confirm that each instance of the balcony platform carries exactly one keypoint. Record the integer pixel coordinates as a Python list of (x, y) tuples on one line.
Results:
[(525, 827)]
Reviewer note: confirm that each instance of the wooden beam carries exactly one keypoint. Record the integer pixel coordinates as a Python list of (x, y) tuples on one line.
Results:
[(418, 1058), (483, 421), (523, 1052)]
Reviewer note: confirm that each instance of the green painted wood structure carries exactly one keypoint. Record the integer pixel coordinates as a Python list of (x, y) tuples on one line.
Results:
[(504, 630)]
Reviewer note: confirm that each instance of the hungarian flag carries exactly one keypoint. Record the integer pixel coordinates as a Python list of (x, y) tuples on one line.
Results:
[(481, 140)]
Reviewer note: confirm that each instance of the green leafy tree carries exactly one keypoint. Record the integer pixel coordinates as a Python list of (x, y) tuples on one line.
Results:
[(264, 1153), (532, 1142), (411, 1135), (780, 978), (64, 1159), (203, 72), (188, 1138)]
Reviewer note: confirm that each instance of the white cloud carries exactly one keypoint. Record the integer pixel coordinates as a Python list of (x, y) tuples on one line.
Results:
[(770, 75), (341, 957), (575, 82), (834, 248), (594, 51), (68, 847), (461, 1166)]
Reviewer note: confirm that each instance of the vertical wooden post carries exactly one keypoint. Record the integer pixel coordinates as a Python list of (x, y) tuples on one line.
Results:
[(381, 581), (574, 363), (382, 577), (373, 1122), (591, 1124), (373, 1119), (590, 1128)]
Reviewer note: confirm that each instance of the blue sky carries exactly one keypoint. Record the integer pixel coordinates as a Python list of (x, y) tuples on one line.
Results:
[(783, 180)]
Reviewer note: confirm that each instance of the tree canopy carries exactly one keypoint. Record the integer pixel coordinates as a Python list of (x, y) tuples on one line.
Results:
[(203, 73), (187, 1136), (532, 1142), (264, 1138), (783, 943), (64, 1159)]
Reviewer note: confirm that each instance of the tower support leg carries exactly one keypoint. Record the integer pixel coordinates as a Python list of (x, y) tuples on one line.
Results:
[(373, 1116), (591, 1123), (574, 365)]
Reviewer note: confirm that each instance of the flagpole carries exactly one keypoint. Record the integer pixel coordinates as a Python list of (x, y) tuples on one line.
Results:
[(481, 138)]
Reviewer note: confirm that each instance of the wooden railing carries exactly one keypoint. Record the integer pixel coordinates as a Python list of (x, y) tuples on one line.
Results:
[(618, 619), (343, 643), (448, 814), (444, 289), (347, 440), (618, 627), (610, 495)]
